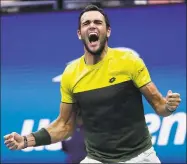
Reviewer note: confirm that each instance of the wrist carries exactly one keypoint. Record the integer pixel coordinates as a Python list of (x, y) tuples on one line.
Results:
[(169, 110), (25, 142), (30, 140), (42, 137)]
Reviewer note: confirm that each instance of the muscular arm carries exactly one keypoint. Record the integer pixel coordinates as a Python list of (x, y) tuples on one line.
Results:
[(163, 106), (156, 100), (62, 127)]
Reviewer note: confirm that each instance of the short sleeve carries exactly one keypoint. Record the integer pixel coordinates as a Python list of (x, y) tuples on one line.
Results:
[(65, 89), (140, 74)]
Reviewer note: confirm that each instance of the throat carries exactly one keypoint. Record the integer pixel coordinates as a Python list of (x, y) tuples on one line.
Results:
[(91, 59)]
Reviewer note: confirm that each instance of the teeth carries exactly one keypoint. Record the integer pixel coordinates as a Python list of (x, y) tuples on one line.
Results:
[(92, 33)]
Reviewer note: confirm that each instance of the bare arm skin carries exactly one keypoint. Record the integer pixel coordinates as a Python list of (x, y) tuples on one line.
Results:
[(159, 103), (59, 129), (63, 126)]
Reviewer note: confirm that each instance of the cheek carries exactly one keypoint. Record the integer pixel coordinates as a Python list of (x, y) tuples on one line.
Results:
[(103, 31), (103, 34), (83, 32), (83, 35)]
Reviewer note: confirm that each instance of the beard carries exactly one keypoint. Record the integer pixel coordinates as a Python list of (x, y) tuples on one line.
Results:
[(99, 51)]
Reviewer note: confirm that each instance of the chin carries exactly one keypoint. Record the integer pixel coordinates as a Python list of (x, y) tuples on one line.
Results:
[(96, 52)]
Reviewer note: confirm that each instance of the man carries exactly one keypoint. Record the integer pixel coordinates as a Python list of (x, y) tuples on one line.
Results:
[(107, 85)]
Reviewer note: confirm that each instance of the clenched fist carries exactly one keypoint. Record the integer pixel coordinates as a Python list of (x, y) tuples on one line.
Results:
[(172, 100), (14, 141)]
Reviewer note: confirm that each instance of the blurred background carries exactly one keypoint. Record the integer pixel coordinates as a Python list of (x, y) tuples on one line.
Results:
[(38, 39), (8, 6)]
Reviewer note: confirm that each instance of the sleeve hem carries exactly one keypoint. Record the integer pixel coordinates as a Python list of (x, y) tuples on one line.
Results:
[(68, 102), (144, 84)]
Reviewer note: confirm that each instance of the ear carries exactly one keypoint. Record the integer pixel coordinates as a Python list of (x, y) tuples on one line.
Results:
[(79, 34), (108, 32)]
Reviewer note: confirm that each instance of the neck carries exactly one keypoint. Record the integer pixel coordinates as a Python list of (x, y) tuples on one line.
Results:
[(91, 59)]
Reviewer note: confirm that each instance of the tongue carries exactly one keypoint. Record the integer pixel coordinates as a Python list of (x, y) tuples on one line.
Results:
[(93, 43)]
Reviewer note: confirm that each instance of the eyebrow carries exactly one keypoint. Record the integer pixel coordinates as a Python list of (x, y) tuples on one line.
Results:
[(96, 20)]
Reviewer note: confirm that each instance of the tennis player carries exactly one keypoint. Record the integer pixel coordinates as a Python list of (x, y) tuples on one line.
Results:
[(108, 85)]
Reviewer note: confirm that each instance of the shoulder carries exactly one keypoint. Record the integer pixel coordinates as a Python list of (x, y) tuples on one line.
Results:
[(125, 54), (70, 71), (72, 66)]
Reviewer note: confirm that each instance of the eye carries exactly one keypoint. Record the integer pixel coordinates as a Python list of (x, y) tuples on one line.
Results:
[(98, 22), (85, 23)]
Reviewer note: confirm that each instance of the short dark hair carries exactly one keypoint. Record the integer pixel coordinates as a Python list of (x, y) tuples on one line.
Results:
[(94, 8)]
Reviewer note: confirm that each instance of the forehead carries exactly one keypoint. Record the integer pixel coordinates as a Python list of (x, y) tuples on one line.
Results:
[(92, 15)]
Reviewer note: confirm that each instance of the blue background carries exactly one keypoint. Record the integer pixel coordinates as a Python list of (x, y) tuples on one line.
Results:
[(36, 47)]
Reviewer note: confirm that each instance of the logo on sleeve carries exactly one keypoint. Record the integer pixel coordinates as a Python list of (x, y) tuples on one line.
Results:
[(141, 70), (112, 79)]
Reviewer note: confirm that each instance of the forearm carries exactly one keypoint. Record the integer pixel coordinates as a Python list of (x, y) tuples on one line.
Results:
[(60, 130), (55, 132), (156, 100)]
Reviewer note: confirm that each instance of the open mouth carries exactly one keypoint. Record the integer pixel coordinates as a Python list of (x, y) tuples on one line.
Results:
[(93, 37)]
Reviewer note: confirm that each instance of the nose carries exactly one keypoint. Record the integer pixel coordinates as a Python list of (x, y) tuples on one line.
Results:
[(92, 25)]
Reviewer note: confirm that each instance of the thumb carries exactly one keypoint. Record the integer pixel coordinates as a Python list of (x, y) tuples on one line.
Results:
[(169, 93), (15, 136)]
